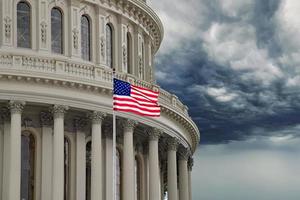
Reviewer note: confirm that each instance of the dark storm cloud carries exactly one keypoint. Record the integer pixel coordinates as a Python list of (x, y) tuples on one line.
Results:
[(230, 69)]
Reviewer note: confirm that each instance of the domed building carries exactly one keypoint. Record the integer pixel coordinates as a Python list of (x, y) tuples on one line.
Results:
[(56, 67)]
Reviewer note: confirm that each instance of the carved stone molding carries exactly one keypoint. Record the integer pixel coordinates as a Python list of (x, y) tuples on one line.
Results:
[(128, 124), (16, 107), (75, 38), (7, 26), (108, 131), (46, 118), (80, 123), (59, 111), (44, 31), (4, 114), (172, 144), (102, 45), (154, 133), (97, 117), (190, 163), (124, 54), (184, 154), (27, 122)]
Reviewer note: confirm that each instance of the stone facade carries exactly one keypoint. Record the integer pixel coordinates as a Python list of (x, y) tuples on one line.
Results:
[(56, 109)]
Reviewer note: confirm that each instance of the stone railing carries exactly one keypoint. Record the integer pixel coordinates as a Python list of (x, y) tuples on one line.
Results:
[(52, 67)]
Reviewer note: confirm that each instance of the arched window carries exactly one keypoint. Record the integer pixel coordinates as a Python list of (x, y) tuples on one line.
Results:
[(118, 175), (56, 31), (129, 53), (109, 45), (23, 25), (85, 38), (28, 148), (137, 178), (67, 163), (88, 170)]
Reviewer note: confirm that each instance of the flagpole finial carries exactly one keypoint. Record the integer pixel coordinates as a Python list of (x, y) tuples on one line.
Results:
[(114, 70)]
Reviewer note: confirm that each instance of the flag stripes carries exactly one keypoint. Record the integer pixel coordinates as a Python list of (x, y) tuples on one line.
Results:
[(134, 99)]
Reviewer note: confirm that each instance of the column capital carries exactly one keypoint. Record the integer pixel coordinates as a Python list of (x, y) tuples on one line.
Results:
[(46, 118), (184, 154), (154, 133), (97, 117), (80, 123), (172, 143), (190, 163), (59, 111), (16, 107), (129, 124)]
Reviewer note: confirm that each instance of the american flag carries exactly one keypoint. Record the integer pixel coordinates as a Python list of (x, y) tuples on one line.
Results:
[(134, 99)]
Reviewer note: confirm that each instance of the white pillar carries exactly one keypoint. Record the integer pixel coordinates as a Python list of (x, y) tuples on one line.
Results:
[(172, 169), (154, 179), (128, 161), (146, 173), (6, 153), (14, 174), (96, 165), (162, 177), (183, 176), (108, 163), (1, 152), (80, 159), (58, 153), (190, 166), (47, 131)]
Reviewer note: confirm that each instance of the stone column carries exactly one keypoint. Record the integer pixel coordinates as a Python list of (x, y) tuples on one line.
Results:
[(96, 165), (183, 175), (6, 152), (46, 119), (108, 162), (1, 150), (154, 179), (14, 172), (172, 169), (80, 125), (58, 152), (146, 172), (128, 160), (190, 166)]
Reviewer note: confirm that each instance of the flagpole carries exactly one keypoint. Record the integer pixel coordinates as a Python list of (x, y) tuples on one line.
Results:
[(114, 142)]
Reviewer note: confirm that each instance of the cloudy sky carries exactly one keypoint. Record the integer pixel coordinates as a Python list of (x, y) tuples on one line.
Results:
[(236, 64)]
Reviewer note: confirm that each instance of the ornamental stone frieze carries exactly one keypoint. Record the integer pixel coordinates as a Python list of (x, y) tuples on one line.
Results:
[(46, 118), (80, 123), (4, 114), (184, 154), (108, 130)]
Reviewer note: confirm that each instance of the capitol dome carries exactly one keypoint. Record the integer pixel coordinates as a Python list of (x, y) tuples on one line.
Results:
[(56, 64)]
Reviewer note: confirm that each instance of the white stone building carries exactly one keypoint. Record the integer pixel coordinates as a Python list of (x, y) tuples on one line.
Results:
[(56, 60)]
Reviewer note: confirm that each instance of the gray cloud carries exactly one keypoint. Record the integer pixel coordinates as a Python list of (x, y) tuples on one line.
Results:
[(235, 63)]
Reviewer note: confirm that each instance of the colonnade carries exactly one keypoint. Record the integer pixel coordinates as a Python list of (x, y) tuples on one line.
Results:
[(178, 188)]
